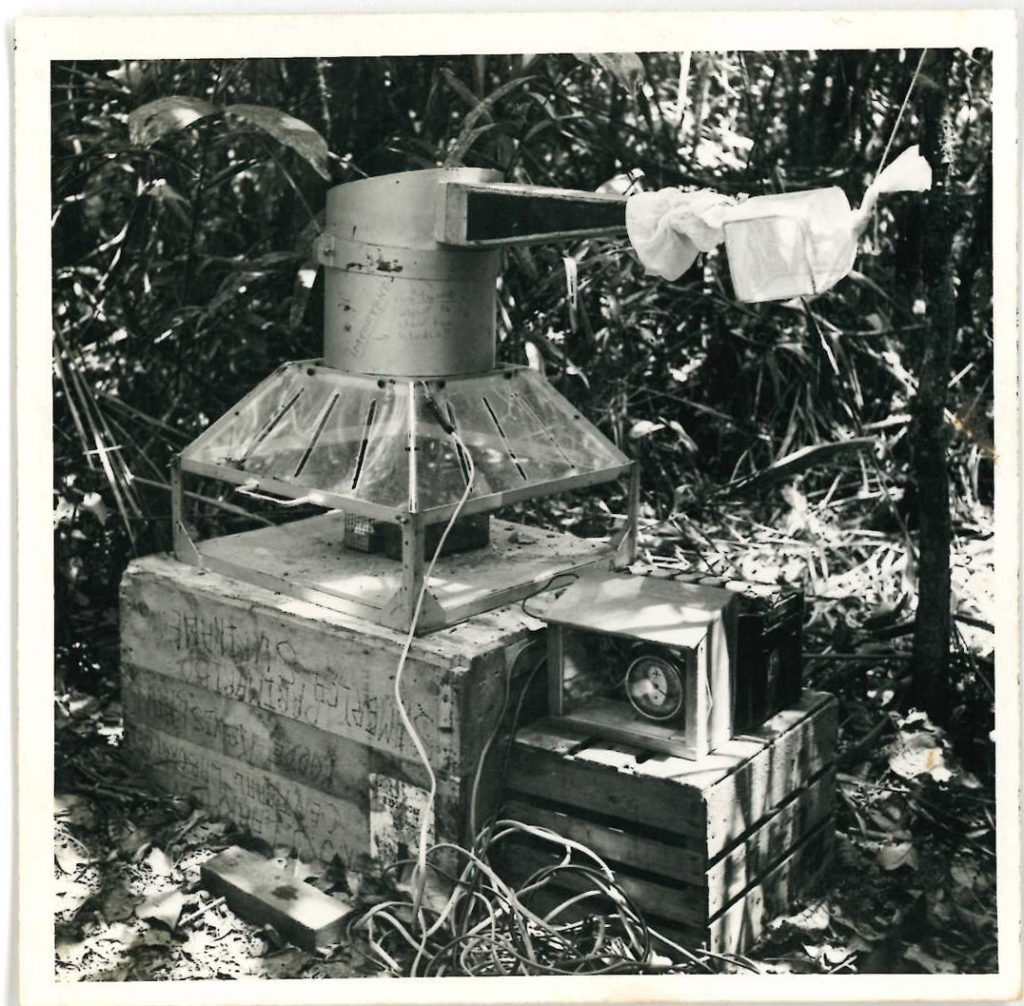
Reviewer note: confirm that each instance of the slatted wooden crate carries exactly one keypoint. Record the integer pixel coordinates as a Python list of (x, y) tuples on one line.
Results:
[(280, 714), (709, 850)]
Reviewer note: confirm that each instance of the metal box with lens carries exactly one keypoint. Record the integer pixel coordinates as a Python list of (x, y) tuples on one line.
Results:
[(645, 661)]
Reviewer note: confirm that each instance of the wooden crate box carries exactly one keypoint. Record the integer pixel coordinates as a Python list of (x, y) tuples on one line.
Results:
[(710, 850), (280, 715)]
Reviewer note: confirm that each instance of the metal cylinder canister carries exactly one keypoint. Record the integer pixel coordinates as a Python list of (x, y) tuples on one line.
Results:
[(397, 303)]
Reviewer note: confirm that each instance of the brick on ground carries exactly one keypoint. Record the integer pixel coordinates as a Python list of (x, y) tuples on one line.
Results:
[(262, 891)]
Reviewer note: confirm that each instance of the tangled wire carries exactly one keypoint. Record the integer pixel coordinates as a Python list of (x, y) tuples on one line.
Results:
[(477, 923)]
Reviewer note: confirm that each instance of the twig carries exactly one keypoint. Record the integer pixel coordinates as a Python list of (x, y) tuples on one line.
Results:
[(199, 913), (188, 826), (867, 742), (978, 623), (142, 416), (73, 408), (853, 810), (209, 500), (844, 963), (953, 831)]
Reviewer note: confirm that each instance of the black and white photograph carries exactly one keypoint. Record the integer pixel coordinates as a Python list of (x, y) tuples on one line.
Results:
[(544, 516)]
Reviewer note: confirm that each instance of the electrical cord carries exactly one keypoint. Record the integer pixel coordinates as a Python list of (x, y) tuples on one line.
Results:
[(485, 750), (510, 673), (486, 925), (546, 586), (419, 872), (497, 932)]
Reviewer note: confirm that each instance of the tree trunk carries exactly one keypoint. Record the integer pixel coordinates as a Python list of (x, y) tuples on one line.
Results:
[(931, 685)]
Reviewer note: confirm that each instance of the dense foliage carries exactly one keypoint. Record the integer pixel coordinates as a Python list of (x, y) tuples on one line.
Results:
[(182, 275), (178, 279)]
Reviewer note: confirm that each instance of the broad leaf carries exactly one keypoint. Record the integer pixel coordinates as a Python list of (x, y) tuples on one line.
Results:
[(470, 132), (151, 121), (163, 909), (464, 142), (644, 428), (291, 132), (813, 919), (927, 961), (117, 905), (159, 863), (892, 857), (626, 67), (684, 438), (458, 87), (798, 462)]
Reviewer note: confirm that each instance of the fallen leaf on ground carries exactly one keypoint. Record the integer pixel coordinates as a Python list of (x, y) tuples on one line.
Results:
[(163, 909), (931, 964), (859, 927), (976, 920), (118, 905), (830, 954), (134, 841), (83, 706), (71, 951), (331, 969), (157, 938), (273, 939), (74, 809), (159, 862), (892, 857), (964, 873), (911, 755), (68, 859), (285, 963), (118, 933), (813, 919), (938, 911)]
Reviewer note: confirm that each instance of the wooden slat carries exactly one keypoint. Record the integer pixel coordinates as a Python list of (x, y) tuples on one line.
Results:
[(517, 861), (750, 858), (279, 811), (742, 798), (336, 766), (712, 886), (615, 720), (443, 648), (477, 707), (737, 927), (743, 923), (592, 786), (308, 664), (310, 555), (547, 899), (716, 799), (617, 844)]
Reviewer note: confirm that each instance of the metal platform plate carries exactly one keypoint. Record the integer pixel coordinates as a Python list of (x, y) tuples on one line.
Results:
[(308, 560)]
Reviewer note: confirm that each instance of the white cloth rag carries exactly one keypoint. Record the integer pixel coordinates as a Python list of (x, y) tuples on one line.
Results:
[(669, 228)]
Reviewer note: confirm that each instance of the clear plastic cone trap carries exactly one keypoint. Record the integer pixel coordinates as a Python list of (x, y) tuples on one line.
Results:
[(385, 446)]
